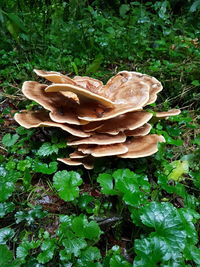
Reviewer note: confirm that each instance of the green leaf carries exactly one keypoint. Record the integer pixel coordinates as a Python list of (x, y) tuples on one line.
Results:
[(85, 202), (166, 221), (123, 10), (66, 183), (191, 252), (24, 248), (135, 188), (6, 234), (44, 168), (6, 256), (74, 245), (47, 247), (179, 168), (107, 184), (17, 21), (5, 208), (47, 149), (31, 215), (9, 140), (118, 260), (153, 252), (7, 183), (90, 254), (23, 164), (83, 228)]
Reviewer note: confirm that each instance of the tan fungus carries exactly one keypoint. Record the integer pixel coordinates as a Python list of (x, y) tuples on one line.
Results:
[(103, 120)]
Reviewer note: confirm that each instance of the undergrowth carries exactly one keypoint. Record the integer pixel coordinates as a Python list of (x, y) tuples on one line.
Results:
[(141, 212)]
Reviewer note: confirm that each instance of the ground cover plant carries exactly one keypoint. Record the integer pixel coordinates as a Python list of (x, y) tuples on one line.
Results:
[(124, 212)]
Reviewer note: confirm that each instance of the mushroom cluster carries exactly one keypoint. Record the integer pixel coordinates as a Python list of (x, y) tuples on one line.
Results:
[(103, 120)]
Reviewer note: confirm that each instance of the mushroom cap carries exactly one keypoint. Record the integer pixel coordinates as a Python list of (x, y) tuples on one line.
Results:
[(104, 150), (77, 155), (88, 83), (142, 146), (164, 114), (126, 88), (87, 163), (154, 85), (54, 77), (92, 126), (82, 93), (128, 121), (141, 131), (61, 111), (99, 139), (32, 119)]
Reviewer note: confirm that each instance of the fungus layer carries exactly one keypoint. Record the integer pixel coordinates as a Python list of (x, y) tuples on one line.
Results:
[(103, 120)]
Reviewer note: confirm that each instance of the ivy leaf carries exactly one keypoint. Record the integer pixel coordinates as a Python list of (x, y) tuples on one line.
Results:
[(66, 183), (5, 208), (9, 140), (47, 149), (6, 234), (107, 184), (83, 228), (47, 247)]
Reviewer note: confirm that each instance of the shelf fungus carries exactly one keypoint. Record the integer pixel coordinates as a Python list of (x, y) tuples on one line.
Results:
[(102, 120)]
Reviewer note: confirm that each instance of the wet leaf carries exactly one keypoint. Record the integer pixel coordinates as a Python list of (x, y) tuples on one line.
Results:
[(66, 183), (83, 228)]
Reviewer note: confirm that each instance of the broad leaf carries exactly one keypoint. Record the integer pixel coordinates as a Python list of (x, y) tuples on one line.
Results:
[(6, 234), (9, 140), (107, 183), (66, 183), (47, 247), (5, 208), (166, 221), (83, 228)]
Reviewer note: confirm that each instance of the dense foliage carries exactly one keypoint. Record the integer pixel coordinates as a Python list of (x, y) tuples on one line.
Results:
[(125, 212)]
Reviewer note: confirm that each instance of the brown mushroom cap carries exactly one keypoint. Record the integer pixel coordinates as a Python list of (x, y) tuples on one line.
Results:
[(62, 109), (92, 126), (154, 85), (83, 94), (87, 163), (41, 118), (128, 121), (141, 131), (100, 139), (104, 150), (88, 83), (54, 76), (77, 155), (142, 146), (164, 114)]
